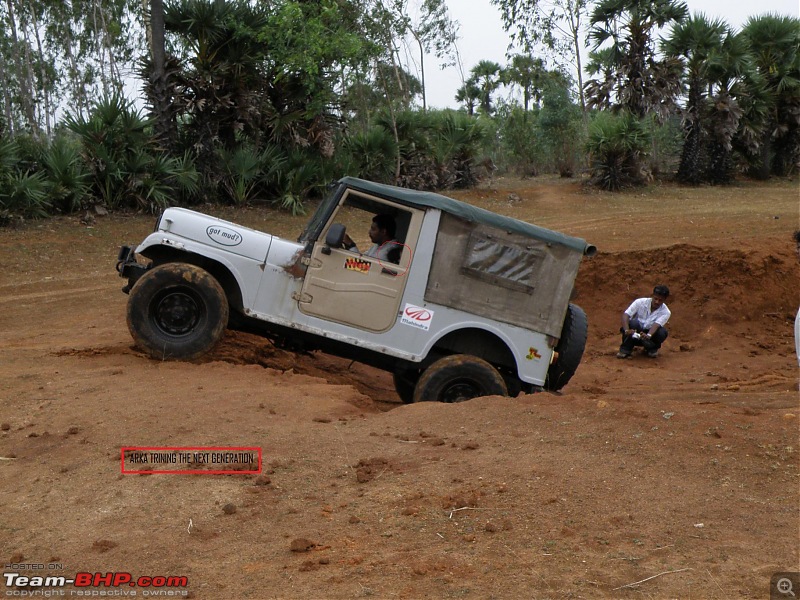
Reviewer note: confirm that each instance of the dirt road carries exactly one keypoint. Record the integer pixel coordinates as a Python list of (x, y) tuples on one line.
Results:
[(681, 471)]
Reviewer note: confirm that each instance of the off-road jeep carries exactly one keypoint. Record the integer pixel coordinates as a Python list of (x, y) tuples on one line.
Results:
[(478, 304)]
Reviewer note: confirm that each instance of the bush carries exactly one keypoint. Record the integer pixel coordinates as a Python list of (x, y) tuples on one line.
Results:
[(519, 149), (437, 149), (23, 194), (561, 129), (616, 146), (372, 154), (67, 176), (127, 168)]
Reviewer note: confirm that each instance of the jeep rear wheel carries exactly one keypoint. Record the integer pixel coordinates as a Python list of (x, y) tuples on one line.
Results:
[(457, 378), (177, 311), (569, 348), (404, 384)]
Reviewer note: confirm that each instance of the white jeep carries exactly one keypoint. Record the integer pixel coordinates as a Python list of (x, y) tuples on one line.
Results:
[(476, 303)]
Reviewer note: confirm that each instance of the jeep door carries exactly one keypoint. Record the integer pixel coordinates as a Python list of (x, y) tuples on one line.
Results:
[(350, 288)]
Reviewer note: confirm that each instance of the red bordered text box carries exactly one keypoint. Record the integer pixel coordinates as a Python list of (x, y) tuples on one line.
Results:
[(189, 449)]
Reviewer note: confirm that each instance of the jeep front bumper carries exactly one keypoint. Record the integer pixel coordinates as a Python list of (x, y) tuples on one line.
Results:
[(128, 267)]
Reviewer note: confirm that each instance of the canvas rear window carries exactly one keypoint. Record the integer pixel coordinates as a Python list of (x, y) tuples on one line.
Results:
[(511, 266)]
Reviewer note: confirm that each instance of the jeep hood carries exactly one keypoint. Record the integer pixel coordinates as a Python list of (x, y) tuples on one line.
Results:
[(181, 223)]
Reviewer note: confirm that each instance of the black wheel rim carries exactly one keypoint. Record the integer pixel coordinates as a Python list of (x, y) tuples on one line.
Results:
[(460, 390), (177, 311)]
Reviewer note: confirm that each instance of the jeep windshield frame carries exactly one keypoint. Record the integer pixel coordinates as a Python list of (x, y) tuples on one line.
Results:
[(321, 216)]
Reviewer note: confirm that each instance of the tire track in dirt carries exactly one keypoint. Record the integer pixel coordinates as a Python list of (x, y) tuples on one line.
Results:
[(56, 294)]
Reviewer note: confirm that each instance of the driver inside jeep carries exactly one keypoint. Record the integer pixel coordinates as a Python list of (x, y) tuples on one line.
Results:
[(381, 233)]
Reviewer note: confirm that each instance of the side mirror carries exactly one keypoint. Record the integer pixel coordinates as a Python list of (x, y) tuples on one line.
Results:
[(334, 237)]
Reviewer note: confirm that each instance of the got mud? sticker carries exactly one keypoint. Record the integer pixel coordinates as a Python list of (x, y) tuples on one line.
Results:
[(224, 235)]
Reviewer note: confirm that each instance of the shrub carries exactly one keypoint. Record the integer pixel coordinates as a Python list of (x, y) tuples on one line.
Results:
[(23, 193), (66, 173), (127, 169), (616, 146)]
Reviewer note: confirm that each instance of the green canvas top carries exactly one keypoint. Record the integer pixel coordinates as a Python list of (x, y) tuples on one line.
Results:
[(467, 212)]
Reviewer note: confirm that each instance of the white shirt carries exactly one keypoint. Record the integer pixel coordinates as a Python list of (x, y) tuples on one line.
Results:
[(640, 310), (382, 251)]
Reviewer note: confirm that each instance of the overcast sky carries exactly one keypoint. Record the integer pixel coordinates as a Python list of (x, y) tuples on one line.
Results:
[(482, 37)]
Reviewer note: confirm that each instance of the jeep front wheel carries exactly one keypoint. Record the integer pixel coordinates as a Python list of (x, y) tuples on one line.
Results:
[(177, 311), (457, 378)]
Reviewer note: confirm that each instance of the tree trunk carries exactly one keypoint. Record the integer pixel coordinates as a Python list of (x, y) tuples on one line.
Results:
[(422, 70), (100, 49), (45, 83), (160, 100), (116, 78), (23, 76), (35, 128), (78, 88), (394, 123), (395, 53), (8, 126), (575, 26), (690, 169)]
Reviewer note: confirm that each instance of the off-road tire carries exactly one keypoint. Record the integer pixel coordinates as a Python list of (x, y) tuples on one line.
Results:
[(570, 348), (404, 384), (457, 378), (177, 311)]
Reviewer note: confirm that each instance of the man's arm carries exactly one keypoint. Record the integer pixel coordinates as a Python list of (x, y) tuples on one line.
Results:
[(626, 318), (349, 244), (652, 331), (626, 324)]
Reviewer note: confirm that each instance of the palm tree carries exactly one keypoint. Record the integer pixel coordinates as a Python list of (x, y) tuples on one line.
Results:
[(694, 41), (733, 85), (486, 75), (224, 72), (468, 94), (638, 81), (528, 73), (775, 46), (157, 86)]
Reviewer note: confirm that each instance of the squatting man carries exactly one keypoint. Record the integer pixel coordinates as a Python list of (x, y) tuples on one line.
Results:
[(643, 324)]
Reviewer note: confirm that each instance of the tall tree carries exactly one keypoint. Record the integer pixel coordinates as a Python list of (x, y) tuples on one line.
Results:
[(156, 76), (23, 69), (434, 31), (638, 80), (486, 75), (735, 88), (530, 75), (775, 46), (695, 41), (556, 24), (468, 95)]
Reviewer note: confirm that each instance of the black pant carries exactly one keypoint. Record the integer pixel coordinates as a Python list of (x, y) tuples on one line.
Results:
[(629, 342)]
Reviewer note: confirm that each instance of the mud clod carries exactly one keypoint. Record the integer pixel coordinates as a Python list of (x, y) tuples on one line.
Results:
[(104, 545), (302, 545)]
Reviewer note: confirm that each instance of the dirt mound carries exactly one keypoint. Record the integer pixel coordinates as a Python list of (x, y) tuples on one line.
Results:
[(726, 287), (248, 349)]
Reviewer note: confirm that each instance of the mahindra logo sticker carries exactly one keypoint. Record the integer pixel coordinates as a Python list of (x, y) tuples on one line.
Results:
[(416, 316), (224, 235)]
